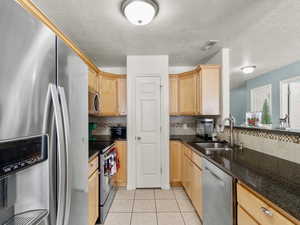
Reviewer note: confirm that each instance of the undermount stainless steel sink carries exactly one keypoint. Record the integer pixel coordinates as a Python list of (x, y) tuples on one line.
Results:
[(213, 147)]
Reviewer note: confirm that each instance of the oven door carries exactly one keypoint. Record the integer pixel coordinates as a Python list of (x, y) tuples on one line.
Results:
[(108, 160)]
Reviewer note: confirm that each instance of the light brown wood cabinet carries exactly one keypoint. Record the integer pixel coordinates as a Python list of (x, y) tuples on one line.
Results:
[(113, 93), (244, 218), (120, 178), (191, 177), (187, 93), (108, 95), (122, 95), (92, 80), (93, 192), (173, 93), (259, 210), (196, 195), (208, 90), (175, 163), (196, 92)]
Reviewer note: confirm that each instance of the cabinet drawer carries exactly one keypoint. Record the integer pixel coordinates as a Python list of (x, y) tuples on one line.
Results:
[(244, 218), (93, 165), (187, 151), (197, 159), (259, 210)]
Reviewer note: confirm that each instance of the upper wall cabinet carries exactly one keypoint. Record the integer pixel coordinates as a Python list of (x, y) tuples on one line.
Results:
[(208, 90), (108, 95), (196, 92), (187, 93), (173, 94), (122, 95), (113, 94), (93, 80)]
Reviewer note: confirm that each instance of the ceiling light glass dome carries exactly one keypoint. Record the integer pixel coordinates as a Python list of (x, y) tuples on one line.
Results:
[(140, 12)]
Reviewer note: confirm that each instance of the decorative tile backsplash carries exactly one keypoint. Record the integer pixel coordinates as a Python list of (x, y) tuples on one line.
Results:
[(104, 124), (182, 125), (281, 145)]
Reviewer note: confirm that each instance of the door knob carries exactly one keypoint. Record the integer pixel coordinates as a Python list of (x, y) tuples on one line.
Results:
[(138, 138)]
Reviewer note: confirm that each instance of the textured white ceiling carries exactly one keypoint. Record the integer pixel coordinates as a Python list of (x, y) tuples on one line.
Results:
[(261, 32)]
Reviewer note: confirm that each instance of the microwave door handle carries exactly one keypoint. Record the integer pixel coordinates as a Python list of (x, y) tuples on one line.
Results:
[(66, 123), (60, 155)]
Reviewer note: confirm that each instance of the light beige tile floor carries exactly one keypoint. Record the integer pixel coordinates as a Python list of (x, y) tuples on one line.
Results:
[(152, 207)]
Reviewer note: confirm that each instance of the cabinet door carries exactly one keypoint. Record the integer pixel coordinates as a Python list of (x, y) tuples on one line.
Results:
[(173, 92), (187, 94), (122, 95), (197, 189), (244, 218), (175, 163), (189, 177), (121, 176), (93, 198), (208, 90), (184, 171), (109, 96), (93, 80)]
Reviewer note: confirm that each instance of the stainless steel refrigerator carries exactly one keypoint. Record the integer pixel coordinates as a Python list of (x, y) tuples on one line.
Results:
[(43, 124)]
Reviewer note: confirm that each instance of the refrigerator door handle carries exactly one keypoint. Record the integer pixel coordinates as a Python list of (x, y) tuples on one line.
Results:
[(61, 174), (66, 120)]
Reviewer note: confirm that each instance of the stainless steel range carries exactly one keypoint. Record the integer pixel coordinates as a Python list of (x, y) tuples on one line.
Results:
[(108, 168)]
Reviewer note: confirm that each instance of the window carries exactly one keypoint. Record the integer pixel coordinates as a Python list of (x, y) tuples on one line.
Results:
[(258, 97), (290, 101)]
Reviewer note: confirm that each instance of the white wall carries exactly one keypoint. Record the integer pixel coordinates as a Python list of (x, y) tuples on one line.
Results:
[(222, 58), (116, 70), (172, 69), (151, 66)]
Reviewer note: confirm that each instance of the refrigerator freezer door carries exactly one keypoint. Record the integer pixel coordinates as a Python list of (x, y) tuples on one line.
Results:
[(72, 77), (27, 66)]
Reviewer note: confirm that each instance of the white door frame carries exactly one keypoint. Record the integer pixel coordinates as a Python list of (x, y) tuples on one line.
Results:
[(153, 66)]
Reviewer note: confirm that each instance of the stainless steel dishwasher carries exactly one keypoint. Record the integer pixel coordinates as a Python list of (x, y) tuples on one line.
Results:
[(217, 196)]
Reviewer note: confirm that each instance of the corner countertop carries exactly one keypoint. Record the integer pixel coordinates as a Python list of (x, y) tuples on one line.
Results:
[(276, 179), (99, 143)]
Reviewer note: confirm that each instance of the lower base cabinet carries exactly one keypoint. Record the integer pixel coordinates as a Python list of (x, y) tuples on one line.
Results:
[(191, 178), (93, 198), (244, 218), (197, 190), (253, 210)]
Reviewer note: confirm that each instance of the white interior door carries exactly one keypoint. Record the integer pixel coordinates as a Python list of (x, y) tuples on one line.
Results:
[(148, 132), (295, 105)]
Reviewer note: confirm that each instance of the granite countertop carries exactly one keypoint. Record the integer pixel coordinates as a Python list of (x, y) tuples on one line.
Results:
[(99, 143), (276, 179), (186, 138)]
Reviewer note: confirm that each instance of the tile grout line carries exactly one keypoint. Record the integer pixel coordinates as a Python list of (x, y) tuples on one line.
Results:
[(132, 207), (179, 209), (156, 211)]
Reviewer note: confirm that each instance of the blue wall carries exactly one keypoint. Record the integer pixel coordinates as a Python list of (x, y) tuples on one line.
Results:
[(273, 77), (238, 104)]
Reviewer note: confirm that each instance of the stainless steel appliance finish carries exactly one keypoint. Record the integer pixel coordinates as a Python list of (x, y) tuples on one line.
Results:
[(72, 83), (94, 103), (205, 128), (107, 187), (43, 91), (217, 196)]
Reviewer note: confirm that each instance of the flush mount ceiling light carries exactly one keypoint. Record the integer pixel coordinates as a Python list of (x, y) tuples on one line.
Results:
[(140, 12), (248, 69)]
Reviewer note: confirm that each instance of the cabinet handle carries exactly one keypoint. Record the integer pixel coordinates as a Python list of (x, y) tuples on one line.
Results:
[(266, 211)]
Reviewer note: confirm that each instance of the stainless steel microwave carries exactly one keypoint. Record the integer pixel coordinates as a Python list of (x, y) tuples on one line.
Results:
[(94, 103)]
